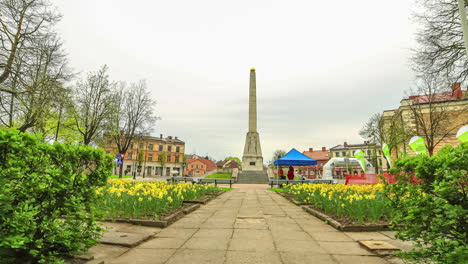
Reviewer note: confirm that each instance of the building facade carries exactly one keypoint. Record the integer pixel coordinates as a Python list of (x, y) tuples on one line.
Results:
[(151, 156), (321, 156), (197, 166), (454, 108), (373, 154)]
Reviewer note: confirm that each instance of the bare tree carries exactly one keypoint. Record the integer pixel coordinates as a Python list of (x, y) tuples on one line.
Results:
[(373, 129), (95, 102), (441, 49), (278, 154), (21, 23), (435, 112), (134, 117), (36, 82)]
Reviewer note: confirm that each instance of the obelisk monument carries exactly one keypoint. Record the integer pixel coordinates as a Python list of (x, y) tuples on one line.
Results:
[(252, 159)]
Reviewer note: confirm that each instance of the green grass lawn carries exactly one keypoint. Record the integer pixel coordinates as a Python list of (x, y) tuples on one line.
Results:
[(276, 189), (219, 176), (117, 176)]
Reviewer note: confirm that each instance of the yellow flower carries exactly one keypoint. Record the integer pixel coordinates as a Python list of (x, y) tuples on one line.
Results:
[(140, 199)]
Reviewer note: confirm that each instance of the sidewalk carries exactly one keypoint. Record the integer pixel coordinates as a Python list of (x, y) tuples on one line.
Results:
[(252, 226)]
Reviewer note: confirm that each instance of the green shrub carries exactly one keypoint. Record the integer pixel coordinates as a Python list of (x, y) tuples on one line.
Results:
[(46, 197), (433, 212)]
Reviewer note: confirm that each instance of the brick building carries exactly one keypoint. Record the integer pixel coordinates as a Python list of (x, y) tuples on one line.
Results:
[(197, 166), (153, 150), (321, 156)]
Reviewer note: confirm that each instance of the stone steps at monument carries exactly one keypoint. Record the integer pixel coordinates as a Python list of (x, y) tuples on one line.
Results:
[(252, 177)]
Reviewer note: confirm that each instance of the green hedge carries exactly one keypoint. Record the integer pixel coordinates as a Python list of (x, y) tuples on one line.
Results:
[(46, 197), (432, 210)]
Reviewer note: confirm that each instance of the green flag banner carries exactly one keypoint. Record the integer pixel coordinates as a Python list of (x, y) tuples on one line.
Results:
[(359, 155), (462, 133), (386, 152), (417, 145)]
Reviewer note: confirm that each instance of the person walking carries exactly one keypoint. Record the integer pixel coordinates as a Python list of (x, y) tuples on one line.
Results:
[(291, 173)]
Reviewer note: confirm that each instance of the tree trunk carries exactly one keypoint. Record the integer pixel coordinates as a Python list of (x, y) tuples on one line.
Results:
[(120, 171)]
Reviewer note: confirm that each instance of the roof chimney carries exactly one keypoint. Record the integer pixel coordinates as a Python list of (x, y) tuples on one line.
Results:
[(456, 90), (160, 136), (311, 149), (324, 148), (345, 144)]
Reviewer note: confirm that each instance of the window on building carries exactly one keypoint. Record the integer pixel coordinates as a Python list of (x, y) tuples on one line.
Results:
[(177, 149), (192, 166), (150, 146), (344, 153), (150, 157), (140, 145), (177, 159), (108, 152), (337, 154), (130, 154), (168, 158), (169, 148), (131, 145), (321, 164), (160, 147), (197, 166)]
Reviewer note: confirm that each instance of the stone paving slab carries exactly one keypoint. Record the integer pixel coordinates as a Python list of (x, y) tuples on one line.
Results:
[(306, 257), (247, 257), (143, 256), (367, 236), (343, 259), (265, 244), (344, 248), (186, 256), (123, 238)]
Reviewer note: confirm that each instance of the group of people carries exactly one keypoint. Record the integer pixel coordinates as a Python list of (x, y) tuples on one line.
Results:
[(281, 175)]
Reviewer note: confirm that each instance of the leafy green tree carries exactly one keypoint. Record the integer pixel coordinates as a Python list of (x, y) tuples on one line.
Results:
[(234, 158), (163, 160), (47, 198), (278, 154), (431, 205), (139, 161)]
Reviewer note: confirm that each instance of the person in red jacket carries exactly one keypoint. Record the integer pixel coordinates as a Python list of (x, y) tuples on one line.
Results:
[(291, 173), (281, 174)]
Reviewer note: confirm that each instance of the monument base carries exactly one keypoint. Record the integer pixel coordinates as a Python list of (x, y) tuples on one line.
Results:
[(252, 163), (252, 159)]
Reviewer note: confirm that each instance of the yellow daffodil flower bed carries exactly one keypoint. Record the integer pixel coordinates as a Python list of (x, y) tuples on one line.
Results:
[(364, 203), (143, 200)]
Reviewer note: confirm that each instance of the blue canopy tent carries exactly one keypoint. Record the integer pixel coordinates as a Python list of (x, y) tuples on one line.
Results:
[(295, 158)]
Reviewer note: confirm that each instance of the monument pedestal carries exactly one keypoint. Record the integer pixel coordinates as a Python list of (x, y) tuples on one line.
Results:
[(252, 159)]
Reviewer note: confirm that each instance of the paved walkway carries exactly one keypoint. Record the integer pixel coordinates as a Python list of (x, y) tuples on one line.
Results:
[(252, 226)]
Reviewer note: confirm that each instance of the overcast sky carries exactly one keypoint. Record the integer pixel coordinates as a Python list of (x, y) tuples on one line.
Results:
[(323, 67)]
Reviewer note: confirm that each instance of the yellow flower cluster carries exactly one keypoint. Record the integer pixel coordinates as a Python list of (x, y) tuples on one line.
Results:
[(150, 190), (346, 192)]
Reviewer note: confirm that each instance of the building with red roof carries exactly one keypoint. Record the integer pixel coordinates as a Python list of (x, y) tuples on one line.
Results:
[(321, 156)]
